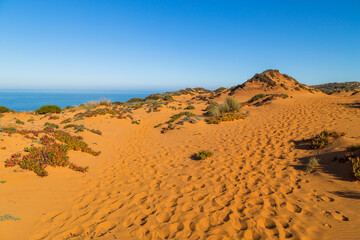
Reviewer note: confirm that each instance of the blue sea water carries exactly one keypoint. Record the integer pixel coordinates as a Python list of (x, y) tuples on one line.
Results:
[(26, 100)]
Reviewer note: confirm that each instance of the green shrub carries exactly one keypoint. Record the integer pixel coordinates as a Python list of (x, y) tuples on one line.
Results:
[(31, 120), (257, 97), (202, 155), (232, 105), (229, 105), (51, 125), (48, 109), (7, 217), (190, 107), (312, 164), (224, 118), (353, 148), (17, 121), (4, 109), (324, 138)]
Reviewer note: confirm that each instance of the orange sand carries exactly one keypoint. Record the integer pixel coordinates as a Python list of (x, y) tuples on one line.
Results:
[(145, 185)]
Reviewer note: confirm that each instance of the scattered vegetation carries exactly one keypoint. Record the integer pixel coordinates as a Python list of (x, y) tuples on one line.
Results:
[(353, 155), (50, 125), (224, 118), (202, 155), (4, 109), (2, 181), (53, 151), (330, 88), (190, 107), (48, 109), (77, 128), (31, 120), (229, 105), (17, 121), (53, 117), (312, 164), (353, 148), (324, 138), (7, 217), (65, 121)]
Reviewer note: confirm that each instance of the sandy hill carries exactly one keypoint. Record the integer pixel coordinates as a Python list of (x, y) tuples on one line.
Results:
[(146, 184), (271, 80)]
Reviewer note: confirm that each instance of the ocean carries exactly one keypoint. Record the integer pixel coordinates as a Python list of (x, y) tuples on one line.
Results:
[(26, 100)]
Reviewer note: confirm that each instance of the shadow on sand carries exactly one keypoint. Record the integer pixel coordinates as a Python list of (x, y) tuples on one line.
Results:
[(332, 163)]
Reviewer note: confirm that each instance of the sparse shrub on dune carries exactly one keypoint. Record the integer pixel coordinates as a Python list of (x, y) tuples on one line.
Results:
[(4, 109), (31, 120), (229, 105), (324, 138), (226, 111), (17, 121), (53, 117), (224, 118), (353, 148), (257, 97), (190, 107), (48, 109), (65, 121), (105, 102), (7, 217), (353, 155), (202, 155), (312, 164)]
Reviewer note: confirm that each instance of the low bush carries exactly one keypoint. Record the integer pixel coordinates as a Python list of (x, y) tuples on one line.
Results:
[(312, 164), (4, 109), (17, 121), (224, 118), (202, 155), (229, 105), (190, 107), (257, 97), (48, 109), (324, 138)]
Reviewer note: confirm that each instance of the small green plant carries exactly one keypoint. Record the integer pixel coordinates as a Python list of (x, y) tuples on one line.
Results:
[(202, 155), (230, 105), (158, 125), (31, 120), (324, 138), (353, 148), (2, 181), (7, 217), (48, 109), (257, 97), (77, 128), (98, 132), (190, 107), (65, 121), (135, 122), (17, 121), (224, 118), (312, 164), (9, 130), (4, 109), (53, 117), (51, 125)]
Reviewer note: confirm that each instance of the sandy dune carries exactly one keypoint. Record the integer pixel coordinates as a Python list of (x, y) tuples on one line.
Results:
[(145, 185)]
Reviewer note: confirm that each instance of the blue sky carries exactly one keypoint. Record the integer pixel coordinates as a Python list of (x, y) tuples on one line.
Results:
[(174, 44)]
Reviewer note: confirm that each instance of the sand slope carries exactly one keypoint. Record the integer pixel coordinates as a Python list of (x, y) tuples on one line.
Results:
[(145, 185)]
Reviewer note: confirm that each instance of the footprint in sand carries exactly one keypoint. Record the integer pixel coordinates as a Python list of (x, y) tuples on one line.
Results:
[(335, 215)]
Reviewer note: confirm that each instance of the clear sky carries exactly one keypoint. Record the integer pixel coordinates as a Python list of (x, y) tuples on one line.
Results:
[(171, 44)]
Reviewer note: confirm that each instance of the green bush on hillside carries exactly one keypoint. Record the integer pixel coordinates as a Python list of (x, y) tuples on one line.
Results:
[(48, 109), (4, 109)]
